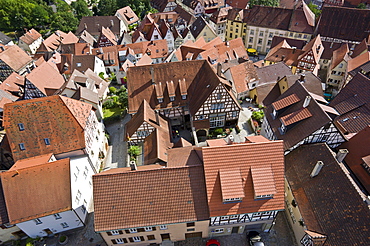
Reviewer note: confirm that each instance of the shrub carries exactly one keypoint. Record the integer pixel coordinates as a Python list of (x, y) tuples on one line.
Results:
[(258, 115), (134, 151), (112, 90), (218, 131), (109, 104)]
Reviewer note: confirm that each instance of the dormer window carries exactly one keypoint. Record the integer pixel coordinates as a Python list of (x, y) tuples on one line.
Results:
[(237, 199), (172, 99), (265, 196), (21, 126), (160, 100), (183, 97)]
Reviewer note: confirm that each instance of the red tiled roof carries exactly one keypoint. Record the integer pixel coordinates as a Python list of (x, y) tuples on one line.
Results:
[(233, 157), (149, 197), (231, 183), (285, 102), (263, 180), (32, 161), (46, 188), (296, 116), (30, 36), (58, 118), (183, 156), (15, 58)]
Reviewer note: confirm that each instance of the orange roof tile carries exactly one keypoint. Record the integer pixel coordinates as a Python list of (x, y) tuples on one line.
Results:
[(30, 36), (256, 139), (32, 161), (358, 61), (263, 180), (177, 195), (296, 116), (15, 58), (48, 184), (285, 102), (65, 129), (269, 154), (231, 183), (216, 142)]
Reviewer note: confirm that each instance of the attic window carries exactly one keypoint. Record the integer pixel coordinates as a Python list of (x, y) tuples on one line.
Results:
[(21, 126), (172, 99), (160, 100), (78, 64), (183, 97), (22, 147), (265, 196), (47, 141)]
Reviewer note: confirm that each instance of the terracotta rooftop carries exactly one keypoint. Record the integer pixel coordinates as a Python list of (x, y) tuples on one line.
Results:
[(46, 78), (339, 55), (296, 116), (353, 104), (177, 195), (358, 61), (69, 116), (231, 183), (32, 161), (128, 14), (241, 4), (243, 74), (43, 182), (345, 221), (3, 210), (358, 147), (30, 36), (15, 58), (197, 77), (183, 156), (156, 146), (231, 157), (261, 176), (93, 24), (285, 102)]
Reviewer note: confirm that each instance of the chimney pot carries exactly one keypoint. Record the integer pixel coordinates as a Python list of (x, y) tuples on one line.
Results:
[(133, 166), (342, 153), (306, 101), (317, 169)]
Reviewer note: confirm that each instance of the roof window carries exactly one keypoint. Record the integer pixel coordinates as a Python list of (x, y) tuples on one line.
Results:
[(21, 146), (47, 141), (21, 126)]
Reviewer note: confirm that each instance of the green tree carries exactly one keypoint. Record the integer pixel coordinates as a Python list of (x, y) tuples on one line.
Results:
[(122, 96), (64, 21), (314, 8), (134, 151), (141, 8), (361, 6), (273, 3), (258, 115), (80, 9), (107, 7)]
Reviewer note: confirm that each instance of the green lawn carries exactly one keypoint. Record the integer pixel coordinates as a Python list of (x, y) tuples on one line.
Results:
[(111, 112)]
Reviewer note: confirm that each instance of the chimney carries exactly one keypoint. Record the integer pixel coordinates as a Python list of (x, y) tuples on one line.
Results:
[(317, 169), (341, 154), (294, 48), (219, 68), (111, 23), (152, 73), (133, 166), (306, 101), (230, 139), (302, 78), (85, 25)]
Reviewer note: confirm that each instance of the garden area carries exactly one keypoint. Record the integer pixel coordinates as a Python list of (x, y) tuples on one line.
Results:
[(115, 104)]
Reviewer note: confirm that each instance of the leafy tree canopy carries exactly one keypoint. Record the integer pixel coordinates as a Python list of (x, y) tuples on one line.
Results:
[(264, 3), (314, 8)]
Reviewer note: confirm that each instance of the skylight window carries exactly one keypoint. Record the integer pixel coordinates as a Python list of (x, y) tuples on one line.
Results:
[(47, 141), (21, 146), (21, 126)]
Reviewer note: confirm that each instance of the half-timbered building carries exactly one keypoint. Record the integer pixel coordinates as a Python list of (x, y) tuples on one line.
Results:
[(143, 123), (300, 117), (14, 59), (189, 93), (243, 193)]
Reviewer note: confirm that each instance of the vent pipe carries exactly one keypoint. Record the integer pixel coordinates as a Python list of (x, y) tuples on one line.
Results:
[(306, 101), (341, 154), (317, 169), (133, 166)]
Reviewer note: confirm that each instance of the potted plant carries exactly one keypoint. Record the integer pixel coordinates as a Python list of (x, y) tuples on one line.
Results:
[(63, 239)]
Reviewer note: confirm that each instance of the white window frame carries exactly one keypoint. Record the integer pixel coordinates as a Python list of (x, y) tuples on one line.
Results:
[(132, 230), (119, 241), (163, 227), (57, 216), (148, 228), (136, 239), (219, 230), (114, 232), (64, 224)]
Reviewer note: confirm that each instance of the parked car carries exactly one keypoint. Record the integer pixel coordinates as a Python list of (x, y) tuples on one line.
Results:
[(213, 242), (254, 239)]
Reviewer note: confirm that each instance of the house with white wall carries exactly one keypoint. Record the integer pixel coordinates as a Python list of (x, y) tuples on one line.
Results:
[(55, 124), (30, 41), (62, 189)]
